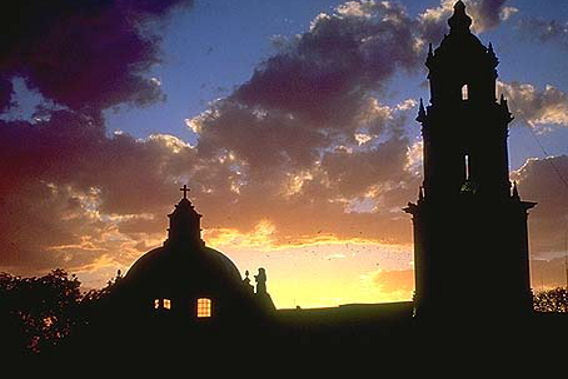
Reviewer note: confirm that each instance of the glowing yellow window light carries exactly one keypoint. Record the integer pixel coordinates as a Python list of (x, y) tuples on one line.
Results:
[(203, 307), (167, 304), (156, 303)]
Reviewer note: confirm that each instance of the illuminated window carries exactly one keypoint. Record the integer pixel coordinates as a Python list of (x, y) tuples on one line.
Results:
[(467, 170), (203, 307), (162, 303), (465, 92), (167, 304)]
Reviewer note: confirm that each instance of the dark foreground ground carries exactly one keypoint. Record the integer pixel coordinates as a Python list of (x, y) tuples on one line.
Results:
[(346, 340)]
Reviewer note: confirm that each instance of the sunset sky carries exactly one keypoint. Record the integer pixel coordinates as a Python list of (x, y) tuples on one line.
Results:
[(291, 121)]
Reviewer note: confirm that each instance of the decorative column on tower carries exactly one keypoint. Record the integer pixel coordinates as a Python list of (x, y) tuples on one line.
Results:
[(470, 230)]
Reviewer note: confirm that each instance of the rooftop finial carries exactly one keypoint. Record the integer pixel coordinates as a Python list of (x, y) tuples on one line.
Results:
[(515, 191), (430, 57), (246, 282), (492, 55), (185, 190), (460, 21), (421, 112)]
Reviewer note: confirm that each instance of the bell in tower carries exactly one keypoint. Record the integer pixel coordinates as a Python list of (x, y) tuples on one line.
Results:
[(470, 232)]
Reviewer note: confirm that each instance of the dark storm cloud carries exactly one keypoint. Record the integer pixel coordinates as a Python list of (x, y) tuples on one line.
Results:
[(62, 176), (71, 150), (87, 55), (324, 75)]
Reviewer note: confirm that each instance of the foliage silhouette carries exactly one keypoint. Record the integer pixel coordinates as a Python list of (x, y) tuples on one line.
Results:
[(554, 300), (38, 313)]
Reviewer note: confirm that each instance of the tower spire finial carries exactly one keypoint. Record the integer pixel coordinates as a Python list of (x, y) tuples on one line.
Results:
[(460, 21)]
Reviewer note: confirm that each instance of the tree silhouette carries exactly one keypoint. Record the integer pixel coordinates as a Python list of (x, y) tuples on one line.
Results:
[(38, 313)]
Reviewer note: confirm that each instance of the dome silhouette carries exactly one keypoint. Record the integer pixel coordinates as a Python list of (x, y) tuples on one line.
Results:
[(172, 271), (186, 280)]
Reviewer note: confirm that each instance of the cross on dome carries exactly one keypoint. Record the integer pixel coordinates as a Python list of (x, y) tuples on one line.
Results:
[(185, 189)]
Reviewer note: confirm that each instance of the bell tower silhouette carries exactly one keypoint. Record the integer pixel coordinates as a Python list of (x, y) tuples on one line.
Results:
[(471, 252)]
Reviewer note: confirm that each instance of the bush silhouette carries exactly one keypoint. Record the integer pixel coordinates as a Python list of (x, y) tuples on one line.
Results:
[(555, 300), (38, 313)]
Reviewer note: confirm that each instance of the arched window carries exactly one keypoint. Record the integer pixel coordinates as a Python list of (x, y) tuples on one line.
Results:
[(156, 303), (465, 92), (203, 307)]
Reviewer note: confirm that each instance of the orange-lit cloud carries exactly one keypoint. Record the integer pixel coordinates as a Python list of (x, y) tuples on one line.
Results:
[(396, 282), (264, 237), (543, 181), (537, 108)]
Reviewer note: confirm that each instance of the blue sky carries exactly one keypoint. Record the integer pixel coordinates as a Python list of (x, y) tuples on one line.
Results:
[(215, 47)]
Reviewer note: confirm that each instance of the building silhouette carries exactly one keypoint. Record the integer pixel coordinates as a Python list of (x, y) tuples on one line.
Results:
[(185, 302), (186, 280), (183, 291), (470, 225), (470, 230)]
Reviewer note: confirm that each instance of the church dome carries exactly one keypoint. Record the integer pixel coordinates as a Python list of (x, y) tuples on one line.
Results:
[(183, 272), (200, 265), (184, 261)]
